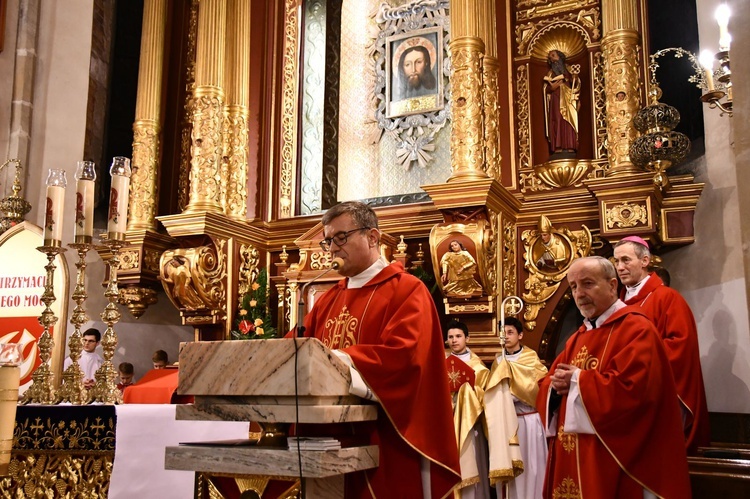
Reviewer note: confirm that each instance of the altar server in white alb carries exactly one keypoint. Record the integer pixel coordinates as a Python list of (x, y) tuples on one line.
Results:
[(90, 361), (526, 371)]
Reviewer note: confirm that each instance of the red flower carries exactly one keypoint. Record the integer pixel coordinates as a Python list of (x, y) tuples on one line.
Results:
[(246, 327)]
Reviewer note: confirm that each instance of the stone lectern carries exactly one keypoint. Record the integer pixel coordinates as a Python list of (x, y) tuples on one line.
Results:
[(255, 381)]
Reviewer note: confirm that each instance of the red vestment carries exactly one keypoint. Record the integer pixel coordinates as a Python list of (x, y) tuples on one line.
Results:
[(629, 397), (391, 331), (672, 317)]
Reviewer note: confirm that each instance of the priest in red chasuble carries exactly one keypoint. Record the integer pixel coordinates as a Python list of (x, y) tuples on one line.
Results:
[(609, 403), (383, 322), (674, 320)]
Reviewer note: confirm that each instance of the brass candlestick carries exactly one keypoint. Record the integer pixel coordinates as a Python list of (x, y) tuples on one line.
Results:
[(42, 390), (105, 390), (72, 389)]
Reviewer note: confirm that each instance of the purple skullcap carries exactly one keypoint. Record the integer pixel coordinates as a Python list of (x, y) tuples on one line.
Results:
[(636, 240)]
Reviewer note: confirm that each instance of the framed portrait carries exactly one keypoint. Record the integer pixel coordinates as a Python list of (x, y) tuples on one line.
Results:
[(414, 80)]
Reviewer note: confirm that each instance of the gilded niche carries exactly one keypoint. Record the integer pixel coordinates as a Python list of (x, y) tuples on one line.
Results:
[(459, 258), (548, 253)]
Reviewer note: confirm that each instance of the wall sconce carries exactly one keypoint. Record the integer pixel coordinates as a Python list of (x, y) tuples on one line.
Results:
[(716, 85), (721, 95), (15, 207)]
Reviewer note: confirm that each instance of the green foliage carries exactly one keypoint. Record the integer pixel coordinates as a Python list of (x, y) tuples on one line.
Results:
[(254, 322), (426, 278)]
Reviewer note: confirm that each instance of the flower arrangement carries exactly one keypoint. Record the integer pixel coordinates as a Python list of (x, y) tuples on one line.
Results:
[(253, 321)]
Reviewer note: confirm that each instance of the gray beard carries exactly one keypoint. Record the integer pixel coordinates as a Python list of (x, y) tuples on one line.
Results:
[(558, 67)]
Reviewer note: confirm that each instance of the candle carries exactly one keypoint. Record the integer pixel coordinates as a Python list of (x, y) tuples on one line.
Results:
[(85, 183), (722, 18), (707, 61), (53, 215), (118, 198)]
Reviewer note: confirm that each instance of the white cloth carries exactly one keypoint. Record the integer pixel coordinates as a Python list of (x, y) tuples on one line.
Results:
[(89, 363), (631, 291), (366, 275), (617, 305), (358, 386), (530, 483), (142, 433)]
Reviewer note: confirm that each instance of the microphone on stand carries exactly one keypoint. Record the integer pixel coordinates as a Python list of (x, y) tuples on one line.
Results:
[(336, 264)]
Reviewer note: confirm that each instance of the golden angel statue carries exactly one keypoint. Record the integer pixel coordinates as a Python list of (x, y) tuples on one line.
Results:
[(458, 269)]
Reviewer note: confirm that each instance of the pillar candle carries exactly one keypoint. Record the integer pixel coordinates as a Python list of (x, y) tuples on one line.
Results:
[(118, 198), (85, 184), (53, 214), (722, 18)]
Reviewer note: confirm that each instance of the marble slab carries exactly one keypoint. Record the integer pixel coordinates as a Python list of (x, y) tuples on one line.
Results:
[(249, 460), (262, 368), (315, 414)]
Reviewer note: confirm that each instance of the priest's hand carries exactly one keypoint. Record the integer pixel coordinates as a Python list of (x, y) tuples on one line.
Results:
[(561, 378)]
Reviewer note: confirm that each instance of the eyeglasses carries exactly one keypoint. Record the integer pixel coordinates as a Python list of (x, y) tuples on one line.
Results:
[(339, 238)]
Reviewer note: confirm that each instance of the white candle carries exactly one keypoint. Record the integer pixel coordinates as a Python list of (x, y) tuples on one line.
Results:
[(707, 61), (84, 225), (84, 209), (117, 220), (722, 18), (118, 206), (53, 212), (53, 217)]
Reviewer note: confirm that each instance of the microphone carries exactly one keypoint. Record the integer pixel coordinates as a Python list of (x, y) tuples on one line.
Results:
[(336, 264)]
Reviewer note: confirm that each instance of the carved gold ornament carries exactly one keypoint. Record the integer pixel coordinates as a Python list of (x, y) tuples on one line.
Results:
[(129, 259), (289, 107), (626, 215), (137, 299), (563, 172), (249, 259), (195, 278), (548, 253)]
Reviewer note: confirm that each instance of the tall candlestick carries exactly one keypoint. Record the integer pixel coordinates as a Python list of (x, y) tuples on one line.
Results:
[(85, 183), (53, 216), (722, 18), (118, 198)]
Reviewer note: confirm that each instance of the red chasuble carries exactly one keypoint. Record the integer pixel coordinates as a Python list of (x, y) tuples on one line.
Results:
[(629, 397), (391, 331), (673, 319)]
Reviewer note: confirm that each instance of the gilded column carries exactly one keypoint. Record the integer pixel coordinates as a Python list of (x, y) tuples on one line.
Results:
[(208, 109), (234, 178), (490, 82), (620, 48), (146, 128), (467, 135)]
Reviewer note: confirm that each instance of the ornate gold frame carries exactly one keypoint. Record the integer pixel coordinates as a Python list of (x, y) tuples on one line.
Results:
[(544, 281)]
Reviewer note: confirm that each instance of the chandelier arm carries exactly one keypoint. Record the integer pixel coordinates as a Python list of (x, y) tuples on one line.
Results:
[(679, 52)]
